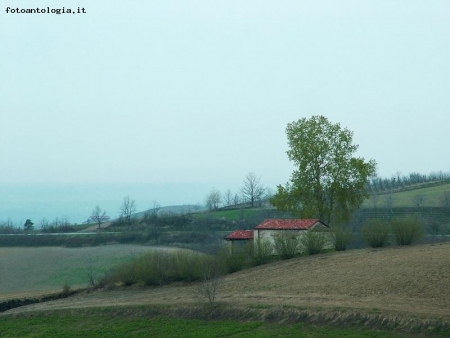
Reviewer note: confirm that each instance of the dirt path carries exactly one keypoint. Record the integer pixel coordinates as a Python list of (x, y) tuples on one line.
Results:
[(94, 228)]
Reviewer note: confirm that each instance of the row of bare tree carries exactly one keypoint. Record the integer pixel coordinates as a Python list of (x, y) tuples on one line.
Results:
[(252, 193), (398, 181), (126, 213)]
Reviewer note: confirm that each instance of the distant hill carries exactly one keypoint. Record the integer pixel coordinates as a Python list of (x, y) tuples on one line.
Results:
[(175, 209)]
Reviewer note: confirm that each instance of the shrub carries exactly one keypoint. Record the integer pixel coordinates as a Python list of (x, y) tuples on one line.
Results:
[(211, 277), (375, 233), (233, 260), (8, 227), (125, 274), (407, 230), (262, 250), (160, 267), (313, 242), (341, 238), (65, 290), (286, 244)]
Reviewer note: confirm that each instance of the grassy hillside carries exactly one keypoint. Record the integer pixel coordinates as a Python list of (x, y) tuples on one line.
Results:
[(241, 214), (432, 213), (432, 197)]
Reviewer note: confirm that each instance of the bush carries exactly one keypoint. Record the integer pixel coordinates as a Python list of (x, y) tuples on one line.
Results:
[(59, 225), (262, 251), (210, 281), (286, 244), (313, 242), (407, 230), (233, 260), (160, 267), (375, 233), (8, 227), (185, 237), (65, 290), (341, 238)]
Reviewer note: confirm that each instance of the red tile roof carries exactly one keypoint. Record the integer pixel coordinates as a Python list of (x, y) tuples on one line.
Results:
[(287, 224), (240, 234)]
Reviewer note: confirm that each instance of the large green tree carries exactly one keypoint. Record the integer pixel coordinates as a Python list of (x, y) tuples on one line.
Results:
[(329, 181)]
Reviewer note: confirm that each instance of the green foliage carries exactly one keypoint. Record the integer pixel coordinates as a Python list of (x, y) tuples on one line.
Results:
[(262, 251), (28, 225), (329, 182), (139, 322), (286, 244), (375, 233), (233, 260), (406, 231), (342, 237), (159, 268), (313, 242)]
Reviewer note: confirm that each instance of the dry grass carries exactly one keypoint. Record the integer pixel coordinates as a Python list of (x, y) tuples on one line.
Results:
[(24, 269), (412, 281)]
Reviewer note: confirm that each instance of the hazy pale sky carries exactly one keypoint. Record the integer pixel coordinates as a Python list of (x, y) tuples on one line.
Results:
[(200, 92)]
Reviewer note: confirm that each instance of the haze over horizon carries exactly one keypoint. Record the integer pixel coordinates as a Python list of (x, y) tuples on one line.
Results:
[(167, 100)]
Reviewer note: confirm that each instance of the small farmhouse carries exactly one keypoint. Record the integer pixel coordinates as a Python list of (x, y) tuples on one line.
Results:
[(238, 239), (269, 227)]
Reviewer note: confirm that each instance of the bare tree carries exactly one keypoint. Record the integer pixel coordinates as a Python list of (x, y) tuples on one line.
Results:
[(252, 189), (155, 208), (211, 279), (127, 209), (374, 198), (98, 216), (419, 200), (44, 224), (90, 274), (259, 196), (389, 201), (236, 200), (268, 193), (228, 197), (445, 199), (213, 199)]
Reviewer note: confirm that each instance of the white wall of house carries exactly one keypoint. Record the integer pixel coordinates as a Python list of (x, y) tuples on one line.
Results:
[(269, 234)]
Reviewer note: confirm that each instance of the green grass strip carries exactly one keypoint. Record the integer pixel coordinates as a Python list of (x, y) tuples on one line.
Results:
[(101, 325)]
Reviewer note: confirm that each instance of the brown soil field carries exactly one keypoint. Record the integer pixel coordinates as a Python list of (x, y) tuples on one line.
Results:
[(411, 282)]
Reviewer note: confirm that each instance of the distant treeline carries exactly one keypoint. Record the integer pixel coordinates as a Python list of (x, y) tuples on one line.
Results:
[(399, 182)]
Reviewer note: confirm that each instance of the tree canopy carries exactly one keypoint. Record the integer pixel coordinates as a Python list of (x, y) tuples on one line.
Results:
[(328, 182), (28, 225), (252, 189)]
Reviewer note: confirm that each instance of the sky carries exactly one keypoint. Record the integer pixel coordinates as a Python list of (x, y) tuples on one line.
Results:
[(178, 95)]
